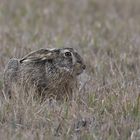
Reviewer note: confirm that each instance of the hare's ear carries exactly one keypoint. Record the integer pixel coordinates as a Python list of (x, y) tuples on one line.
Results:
[(39, 55)]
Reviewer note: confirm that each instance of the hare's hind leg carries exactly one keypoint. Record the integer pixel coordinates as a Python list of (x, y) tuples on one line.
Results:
[(10, 76)]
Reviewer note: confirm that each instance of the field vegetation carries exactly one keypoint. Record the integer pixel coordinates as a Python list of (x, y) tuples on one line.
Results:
[(107, 35)]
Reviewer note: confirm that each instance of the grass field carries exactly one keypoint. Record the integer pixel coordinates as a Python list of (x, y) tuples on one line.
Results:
[(107, 35)]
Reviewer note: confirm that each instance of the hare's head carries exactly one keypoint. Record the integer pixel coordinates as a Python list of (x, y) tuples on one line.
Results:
[(65, 59), (69, 60)]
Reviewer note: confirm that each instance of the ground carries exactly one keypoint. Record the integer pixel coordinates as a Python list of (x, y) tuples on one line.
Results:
[(107, 35)]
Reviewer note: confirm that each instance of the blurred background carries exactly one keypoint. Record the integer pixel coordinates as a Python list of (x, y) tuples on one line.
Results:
[(107, 35)]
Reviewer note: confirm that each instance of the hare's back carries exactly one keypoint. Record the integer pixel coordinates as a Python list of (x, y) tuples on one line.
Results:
[(10, 75), (11, 68)]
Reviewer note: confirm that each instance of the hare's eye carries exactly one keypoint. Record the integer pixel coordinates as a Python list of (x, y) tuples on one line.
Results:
[(67, 54)]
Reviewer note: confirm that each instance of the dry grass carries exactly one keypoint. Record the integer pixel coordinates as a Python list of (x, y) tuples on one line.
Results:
[(107, 34)]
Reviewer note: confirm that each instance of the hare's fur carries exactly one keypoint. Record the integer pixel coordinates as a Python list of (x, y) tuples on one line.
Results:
[(52, 73)]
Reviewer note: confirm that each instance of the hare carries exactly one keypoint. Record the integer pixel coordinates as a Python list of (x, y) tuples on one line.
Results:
[(51, 72)]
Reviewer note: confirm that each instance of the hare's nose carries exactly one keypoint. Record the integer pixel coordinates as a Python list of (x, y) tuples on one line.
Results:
[(84, 67)]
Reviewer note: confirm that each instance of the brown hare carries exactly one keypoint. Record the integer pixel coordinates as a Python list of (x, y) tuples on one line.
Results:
[(51, 72)]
